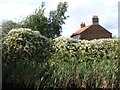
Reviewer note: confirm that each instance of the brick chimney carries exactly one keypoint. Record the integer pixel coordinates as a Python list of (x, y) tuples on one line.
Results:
[(82, 25), (95, 20)]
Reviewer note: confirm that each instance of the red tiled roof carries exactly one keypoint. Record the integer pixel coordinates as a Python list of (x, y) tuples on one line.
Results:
[(89, 27), (81, 30)]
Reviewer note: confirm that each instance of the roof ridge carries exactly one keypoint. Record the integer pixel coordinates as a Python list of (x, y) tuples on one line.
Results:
[(105, 28)]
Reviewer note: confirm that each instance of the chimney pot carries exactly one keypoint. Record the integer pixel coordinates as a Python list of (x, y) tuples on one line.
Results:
[(95, 20), (82, 25)]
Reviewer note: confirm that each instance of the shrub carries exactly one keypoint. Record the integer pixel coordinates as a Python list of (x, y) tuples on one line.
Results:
[(85, 63), (33, 60), (24, 57)]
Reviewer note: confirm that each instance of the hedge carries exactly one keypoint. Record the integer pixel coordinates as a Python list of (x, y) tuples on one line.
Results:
[(24, 58), (33, 60), (82, 62)]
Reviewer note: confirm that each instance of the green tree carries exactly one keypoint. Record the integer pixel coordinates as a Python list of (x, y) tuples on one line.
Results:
[(51, 26), (7, 25)]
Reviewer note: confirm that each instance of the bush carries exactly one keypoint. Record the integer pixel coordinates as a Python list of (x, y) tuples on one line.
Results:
[(24, 57), (85, 63), (33, 60)]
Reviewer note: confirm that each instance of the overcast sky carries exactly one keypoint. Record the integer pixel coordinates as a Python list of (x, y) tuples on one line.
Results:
[(79, 11)]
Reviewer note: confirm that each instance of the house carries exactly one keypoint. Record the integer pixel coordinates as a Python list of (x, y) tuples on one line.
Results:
[(94, 31)]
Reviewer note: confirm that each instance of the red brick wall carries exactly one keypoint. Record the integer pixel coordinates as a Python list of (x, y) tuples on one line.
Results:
[(95, 32)]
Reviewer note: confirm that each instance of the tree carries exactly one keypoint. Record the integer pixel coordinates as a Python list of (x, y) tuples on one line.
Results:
[(7, 25), (56, 19), (51, 26)]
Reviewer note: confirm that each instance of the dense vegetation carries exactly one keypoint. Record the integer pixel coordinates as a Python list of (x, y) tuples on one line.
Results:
[(49, 25), (35, 58), (24, 57), (82, 62), (32, 60)]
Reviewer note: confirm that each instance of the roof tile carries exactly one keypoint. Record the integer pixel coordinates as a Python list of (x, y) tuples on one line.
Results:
[(81, 30)]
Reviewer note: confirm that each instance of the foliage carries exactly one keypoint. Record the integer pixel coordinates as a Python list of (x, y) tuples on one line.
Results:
[(51, 26), (7, 25), (31, 59), (82, 62), (25, 57)]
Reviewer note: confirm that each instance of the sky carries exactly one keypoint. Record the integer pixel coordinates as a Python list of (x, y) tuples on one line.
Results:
[(78, 11)]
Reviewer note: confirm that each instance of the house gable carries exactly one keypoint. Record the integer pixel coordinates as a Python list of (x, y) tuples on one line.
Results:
[(94, 31)]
